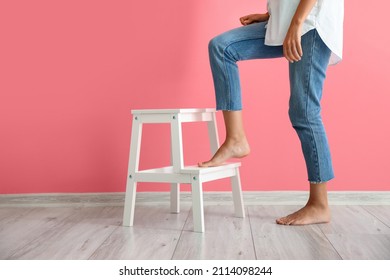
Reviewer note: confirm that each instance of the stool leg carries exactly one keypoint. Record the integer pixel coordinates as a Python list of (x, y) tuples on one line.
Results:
[(176, 143), (131, 186), (175, 192), (176, 159), (175, 198), (213, 134), (128, 213), (197, 204), (237, 195)]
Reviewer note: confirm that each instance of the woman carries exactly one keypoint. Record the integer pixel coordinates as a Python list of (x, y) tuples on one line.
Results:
[(309, 34)]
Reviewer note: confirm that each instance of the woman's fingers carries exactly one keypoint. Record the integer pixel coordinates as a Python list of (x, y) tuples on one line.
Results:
[(292, 50), (245, 20), (252, 18), (299, 49), (296, 50), (249, 19)]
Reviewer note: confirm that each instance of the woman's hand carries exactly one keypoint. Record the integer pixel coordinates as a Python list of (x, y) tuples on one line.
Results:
[(292, 49), (245, 20)]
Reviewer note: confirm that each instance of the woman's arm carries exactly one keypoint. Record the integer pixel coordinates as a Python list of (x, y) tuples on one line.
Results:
[(292, 49)]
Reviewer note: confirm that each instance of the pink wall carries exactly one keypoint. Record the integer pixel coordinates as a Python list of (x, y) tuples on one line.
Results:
[(71, 71)]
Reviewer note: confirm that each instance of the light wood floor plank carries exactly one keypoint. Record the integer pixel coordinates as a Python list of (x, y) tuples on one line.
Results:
[(160, 217), (361, 246), (138, 243), (353, 219), (273, 241), (76, 237), (225, 236), (381, 212), (154, 235), (8, 214), (356, 232), (23, 227)]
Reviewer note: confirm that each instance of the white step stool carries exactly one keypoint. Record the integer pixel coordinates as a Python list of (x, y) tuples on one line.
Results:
[(178, 173)]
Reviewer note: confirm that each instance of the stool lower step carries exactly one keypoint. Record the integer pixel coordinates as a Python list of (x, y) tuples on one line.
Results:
[(167, 174), (193, 175)]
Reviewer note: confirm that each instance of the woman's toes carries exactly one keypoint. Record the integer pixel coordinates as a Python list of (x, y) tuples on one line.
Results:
[(204, 164), (281, 221)]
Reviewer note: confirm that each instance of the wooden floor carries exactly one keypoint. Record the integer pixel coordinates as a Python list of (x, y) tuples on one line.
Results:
[(356, 232)]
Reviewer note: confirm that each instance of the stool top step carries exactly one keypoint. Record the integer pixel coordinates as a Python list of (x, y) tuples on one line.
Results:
[(170, 111), (204, 170)]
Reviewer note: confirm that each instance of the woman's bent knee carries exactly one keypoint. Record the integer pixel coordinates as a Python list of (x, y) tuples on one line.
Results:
[(216, 44)]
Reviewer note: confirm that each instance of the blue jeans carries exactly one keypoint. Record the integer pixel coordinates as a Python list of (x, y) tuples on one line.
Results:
[(306, 83)]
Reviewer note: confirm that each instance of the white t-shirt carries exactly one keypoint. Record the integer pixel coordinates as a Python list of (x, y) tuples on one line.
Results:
[(327, 16)]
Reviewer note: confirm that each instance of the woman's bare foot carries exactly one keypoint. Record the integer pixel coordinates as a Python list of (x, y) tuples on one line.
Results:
[(310, 214), (229, 149)]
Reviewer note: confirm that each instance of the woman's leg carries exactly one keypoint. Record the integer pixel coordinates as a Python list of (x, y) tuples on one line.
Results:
[(242, 43), (315, 211), (235, 145), (306, 83)]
